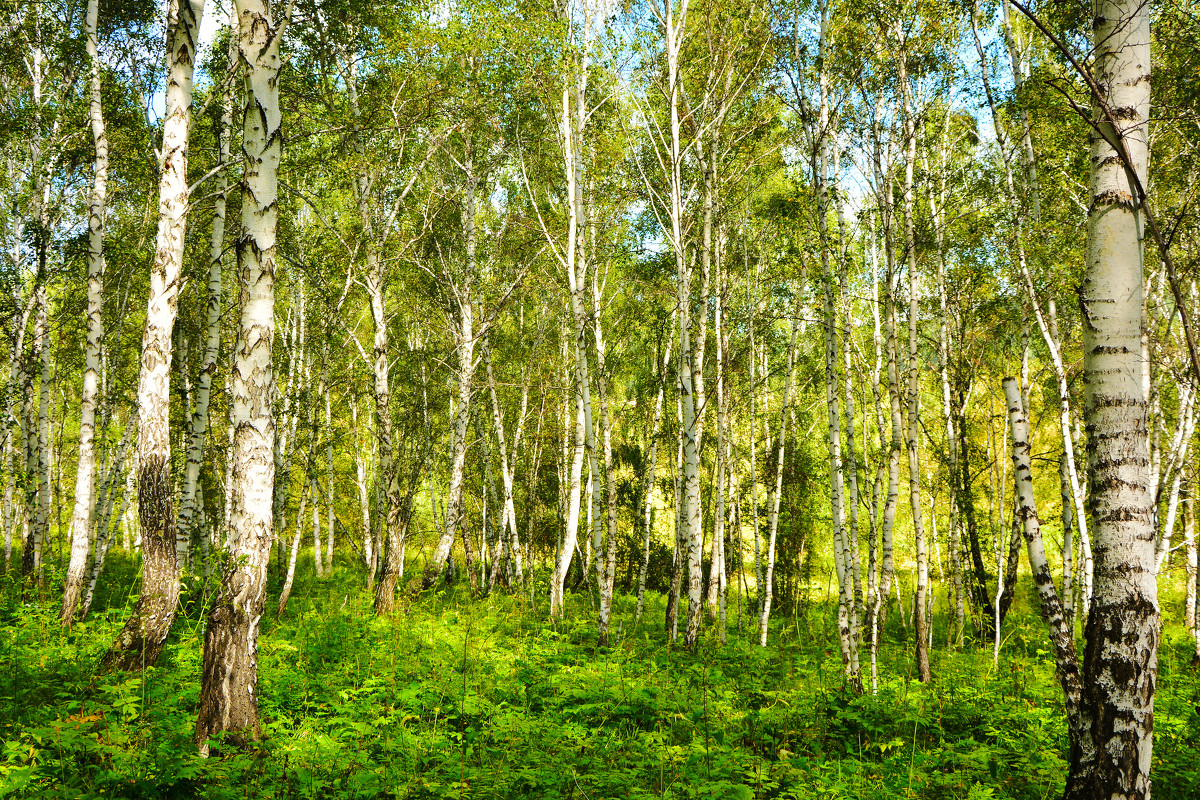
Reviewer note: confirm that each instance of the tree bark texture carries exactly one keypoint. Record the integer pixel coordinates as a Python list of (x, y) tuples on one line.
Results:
[(85, 478), (1120, 666), (141, 641), (229, 673)]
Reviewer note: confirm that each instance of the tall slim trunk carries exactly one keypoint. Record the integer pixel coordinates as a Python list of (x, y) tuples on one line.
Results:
[(679, 546), (229, 673), (465, 350), (293, 552), (850, 460), (692, 533), (649, 481), (879, 578), (81, 517), (886, 340), (28, 466), (141, 640), (14, 435), (330, 517), (841, 555), (572, 124), (465, 335), (104, 515), (914, 382), (716, 570), (198, 424), (37, 492), (1024, 204), (386, 475), (361, 454), (757, 537), (508, 538), (1181, 445), (606, 560), (1062, 633), (1121, 657), (1189, 538), (41, 347), (767, 588)]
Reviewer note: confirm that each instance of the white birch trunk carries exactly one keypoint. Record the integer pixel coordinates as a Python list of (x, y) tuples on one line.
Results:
[(649, 480), (1121, 658), (1183, 441), (465, 336), (920, 602), (330, 518), (85, 478), (1047, 322), (841, 555), (777, 489), (606, 559), (104, 534), (1189, 539), (142, 639), (41, 347), (572, 123), (1062, 634), (229, 674), (198, 424), (293, 553)]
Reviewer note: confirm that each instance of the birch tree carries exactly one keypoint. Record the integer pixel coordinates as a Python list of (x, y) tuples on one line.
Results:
[(229, 673), (81, 517), (1120, 665), (141, 640), (198, 422)]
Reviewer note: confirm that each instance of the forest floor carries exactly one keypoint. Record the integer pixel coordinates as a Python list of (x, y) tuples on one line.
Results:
[(485, 698)]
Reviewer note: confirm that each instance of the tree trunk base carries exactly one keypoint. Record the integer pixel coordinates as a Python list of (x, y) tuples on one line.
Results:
[(229, 678)]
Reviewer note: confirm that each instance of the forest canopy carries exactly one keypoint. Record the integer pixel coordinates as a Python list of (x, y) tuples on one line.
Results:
[(750, 398)]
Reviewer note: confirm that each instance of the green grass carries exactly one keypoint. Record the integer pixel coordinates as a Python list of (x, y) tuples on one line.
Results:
[(485, 698)]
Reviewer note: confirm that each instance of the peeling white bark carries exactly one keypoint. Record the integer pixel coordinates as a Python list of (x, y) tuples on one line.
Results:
[(85, 478), (229, 674)]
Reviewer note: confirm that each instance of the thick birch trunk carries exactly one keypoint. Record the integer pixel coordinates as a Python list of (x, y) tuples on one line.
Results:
[(81, 517), (229, 674), (1123, 628), (141, 640)]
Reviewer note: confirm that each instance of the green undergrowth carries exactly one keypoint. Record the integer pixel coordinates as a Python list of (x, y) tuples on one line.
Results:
[(482, 698)]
